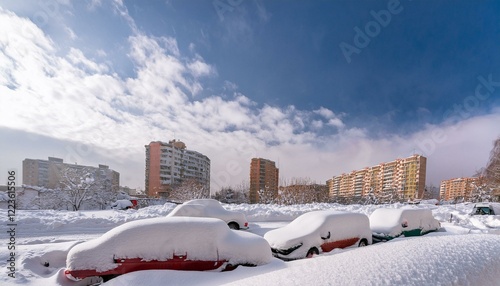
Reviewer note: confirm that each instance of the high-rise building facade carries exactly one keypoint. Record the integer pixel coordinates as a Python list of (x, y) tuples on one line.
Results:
[(170, 164), (49, 173), (402, 178), (458, 188), (264, 177)]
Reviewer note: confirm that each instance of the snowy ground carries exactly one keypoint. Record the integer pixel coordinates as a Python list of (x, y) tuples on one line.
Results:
[(465, 252)]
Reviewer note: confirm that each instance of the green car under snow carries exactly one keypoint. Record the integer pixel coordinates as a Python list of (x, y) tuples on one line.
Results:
[(387, 224)]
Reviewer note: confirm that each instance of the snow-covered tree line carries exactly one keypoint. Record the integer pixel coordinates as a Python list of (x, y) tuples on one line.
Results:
[(234, 195), (304, 191), (188, 190), (301, 191)]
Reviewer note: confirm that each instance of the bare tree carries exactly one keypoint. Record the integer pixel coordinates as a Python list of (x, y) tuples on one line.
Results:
[(370, 198), (243, 192), (52, 199), (480, 190), (230, 195), (189, 190), (103, 198), (390, 196), (301, 191), (78, 185), (267, 196), (430, 192)]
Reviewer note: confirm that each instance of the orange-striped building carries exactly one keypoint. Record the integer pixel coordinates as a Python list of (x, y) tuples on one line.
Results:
[(404, 178)]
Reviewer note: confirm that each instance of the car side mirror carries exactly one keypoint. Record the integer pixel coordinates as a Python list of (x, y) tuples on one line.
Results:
[(327, 237), (404, 224)]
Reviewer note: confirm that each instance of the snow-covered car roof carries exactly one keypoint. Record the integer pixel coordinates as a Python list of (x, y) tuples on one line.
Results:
[(390, 221), (205, 202), (162, 238), (122, 204), (487, 204), (209, 208), (494, 206), (307, 226)]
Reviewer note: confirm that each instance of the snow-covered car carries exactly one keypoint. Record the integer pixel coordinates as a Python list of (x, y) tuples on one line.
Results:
[(211, 208), (387, 224), (317, 232), (124, 204), (486, 209), (177, 243)]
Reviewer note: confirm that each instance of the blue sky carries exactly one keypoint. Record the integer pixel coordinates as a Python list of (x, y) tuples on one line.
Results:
[(94, 81)]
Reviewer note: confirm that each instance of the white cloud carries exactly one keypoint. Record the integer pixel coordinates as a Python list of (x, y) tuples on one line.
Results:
[(199, 68), (70, 33), (94, 4), (317, 124), (336, 122), (192, 47), (332, 118), (325, 112), (230, 86), (263, 14), (77, 58), (121, 10), (101, 53)]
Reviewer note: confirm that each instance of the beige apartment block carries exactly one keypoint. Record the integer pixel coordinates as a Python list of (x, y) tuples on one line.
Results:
[(401, 178), (457, 188), (48, 173), (168, 165), (264, 177)]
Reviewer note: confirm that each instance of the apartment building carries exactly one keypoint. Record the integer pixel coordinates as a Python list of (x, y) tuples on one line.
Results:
[(457, 188), (264, 177), (48, 173), (170, 164), (402, 178)]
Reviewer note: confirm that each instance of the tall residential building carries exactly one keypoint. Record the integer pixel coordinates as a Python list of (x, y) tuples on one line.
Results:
[(457, 188), (264, 178), (170, 164), (48, 173), (402, 178)]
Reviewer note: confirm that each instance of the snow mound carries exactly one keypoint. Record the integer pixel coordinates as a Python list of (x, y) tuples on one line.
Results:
[(429, 260), (433, 260)]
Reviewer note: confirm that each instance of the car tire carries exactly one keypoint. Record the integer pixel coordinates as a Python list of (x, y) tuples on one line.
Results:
[(230, 267), (363, 243), (106, 278), (313, 251), (233, 225)]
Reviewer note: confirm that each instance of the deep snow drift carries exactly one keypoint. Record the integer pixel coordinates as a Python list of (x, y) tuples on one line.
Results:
[(465, 251)]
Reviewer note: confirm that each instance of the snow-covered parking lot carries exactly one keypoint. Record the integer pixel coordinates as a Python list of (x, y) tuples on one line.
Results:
[(466, 251)]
